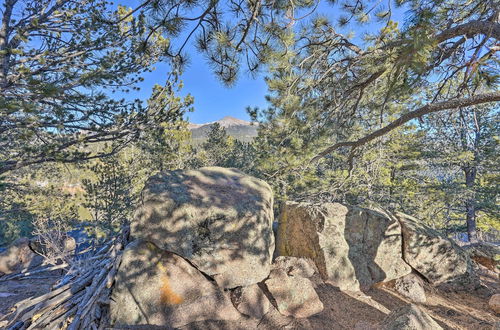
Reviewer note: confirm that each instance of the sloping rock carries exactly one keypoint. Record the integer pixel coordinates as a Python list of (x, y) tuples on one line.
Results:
[(295, 266), (437, 258), (250, 301), (154, 287), (411, 287), (486, 254), (18, 256), (494, 303), (409, 317), (294, 295), (352, 247), (220, 219)]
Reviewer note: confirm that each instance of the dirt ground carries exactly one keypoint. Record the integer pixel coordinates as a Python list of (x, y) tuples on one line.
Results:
[(13, 291), (342, 310)]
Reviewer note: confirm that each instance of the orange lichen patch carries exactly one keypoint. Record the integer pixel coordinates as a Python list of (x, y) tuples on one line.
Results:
[(486, 262), (167, 295)]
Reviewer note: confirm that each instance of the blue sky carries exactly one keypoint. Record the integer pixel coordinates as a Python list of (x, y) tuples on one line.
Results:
[(213, 100)]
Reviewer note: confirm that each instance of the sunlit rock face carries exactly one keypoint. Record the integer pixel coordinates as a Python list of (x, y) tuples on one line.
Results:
[(155, 287), (436, 257), (352, 247), (219, 219)]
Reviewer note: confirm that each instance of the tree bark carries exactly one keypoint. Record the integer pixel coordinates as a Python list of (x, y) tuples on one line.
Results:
[(470, 203)]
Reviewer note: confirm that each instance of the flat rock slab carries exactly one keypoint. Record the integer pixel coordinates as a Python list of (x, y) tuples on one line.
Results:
[(219, 219), (353, 248), (154, 287)]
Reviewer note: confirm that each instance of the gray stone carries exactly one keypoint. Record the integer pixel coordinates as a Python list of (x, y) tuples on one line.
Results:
[(494, 303), (154, 287), (219, 219), (411, 287), (409, 317), (437, 258), (294, 295), (294, 266), (353, 248), (250, 301)]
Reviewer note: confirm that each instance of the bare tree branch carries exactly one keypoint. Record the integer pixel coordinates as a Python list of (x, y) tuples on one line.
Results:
[(426, 109)]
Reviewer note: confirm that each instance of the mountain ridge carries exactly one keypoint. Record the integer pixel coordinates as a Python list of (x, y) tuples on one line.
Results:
[(238, 128)]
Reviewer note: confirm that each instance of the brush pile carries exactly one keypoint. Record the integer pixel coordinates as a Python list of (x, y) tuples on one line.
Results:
[(80, 299)]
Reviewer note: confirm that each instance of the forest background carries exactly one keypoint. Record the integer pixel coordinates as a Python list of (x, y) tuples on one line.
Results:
[(405, 117)]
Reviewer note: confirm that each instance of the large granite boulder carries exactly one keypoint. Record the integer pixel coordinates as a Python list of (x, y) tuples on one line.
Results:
[(18, 256), (218, 218), (409, 317), (437, 258), (159, 288), (353, 248)]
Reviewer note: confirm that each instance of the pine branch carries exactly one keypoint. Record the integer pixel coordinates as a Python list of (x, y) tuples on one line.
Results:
[(426, 109)]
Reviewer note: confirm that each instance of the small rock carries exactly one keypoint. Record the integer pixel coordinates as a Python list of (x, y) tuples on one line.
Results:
[(294, 295), (411, 287), (409, 317), (294, 266), (250, 301), (495, 303)]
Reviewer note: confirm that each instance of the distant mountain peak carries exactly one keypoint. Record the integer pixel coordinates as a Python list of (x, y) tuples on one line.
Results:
[(227, 121), (238, 128)]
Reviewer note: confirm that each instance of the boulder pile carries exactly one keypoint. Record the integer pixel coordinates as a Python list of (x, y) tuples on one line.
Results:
[(202, 251), (203, 245)]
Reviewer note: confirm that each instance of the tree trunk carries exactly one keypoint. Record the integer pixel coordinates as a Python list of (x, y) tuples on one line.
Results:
[(470, 203)]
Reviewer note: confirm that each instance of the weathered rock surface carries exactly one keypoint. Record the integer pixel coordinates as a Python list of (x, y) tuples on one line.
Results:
[(220, 219), (434, 256), (154, 287), (411, 287), (294, 295), (18, 256), (352, 247), (250, 301), (494, 303), (294, 266), (485, 254), (409, 317)]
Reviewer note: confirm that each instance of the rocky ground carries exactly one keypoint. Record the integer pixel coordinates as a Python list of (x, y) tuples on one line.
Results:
[(342, 310), (199, 255)]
